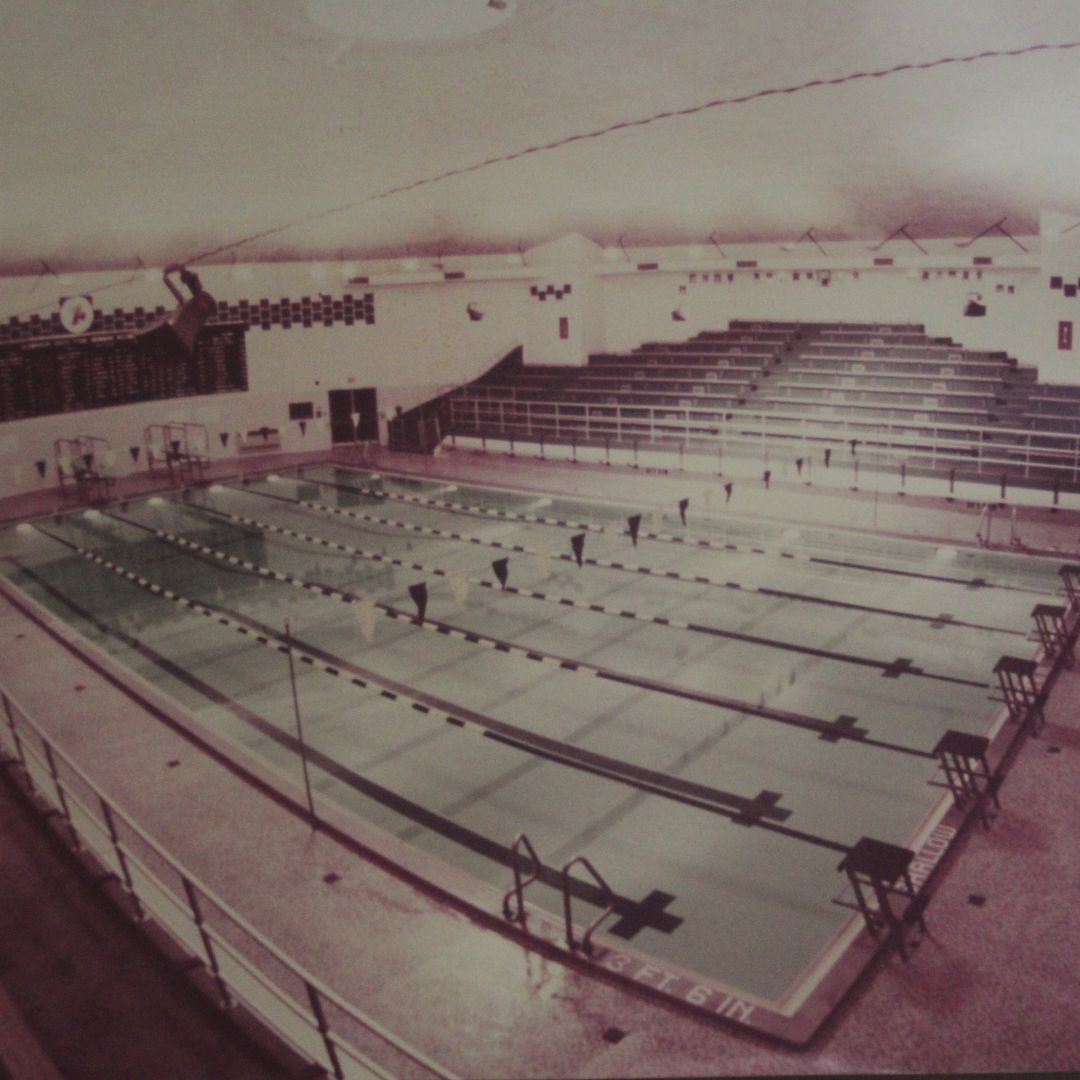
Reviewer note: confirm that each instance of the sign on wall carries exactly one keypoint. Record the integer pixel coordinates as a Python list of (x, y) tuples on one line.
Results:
[(1065, 335), (76, 314)]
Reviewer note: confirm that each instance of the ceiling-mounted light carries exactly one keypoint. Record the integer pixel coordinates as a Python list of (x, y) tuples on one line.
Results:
[(617, 253), (390, 22), (996, 227), (1055, 231), (902, 231), (148, 273), (239, 271), (808, 235), (63, 278)]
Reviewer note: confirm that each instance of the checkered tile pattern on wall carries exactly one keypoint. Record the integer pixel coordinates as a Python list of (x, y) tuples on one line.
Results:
[(557, 291), (264, 314)]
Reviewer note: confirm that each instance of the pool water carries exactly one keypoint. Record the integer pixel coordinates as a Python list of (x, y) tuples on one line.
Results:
[(711, 715)]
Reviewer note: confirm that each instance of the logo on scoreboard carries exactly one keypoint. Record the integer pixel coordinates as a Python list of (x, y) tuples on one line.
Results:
[(76, 314)]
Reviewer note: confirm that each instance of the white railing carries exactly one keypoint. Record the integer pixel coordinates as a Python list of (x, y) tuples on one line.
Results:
[(245, 965), (938, 445)]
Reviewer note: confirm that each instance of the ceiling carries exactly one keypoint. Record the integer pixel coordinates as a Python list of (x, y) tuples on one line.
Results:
[(165, 131)]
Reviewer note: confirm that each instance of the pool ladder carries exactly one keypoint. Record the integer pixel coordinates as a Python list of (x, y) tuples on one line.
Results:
[(516, 913)]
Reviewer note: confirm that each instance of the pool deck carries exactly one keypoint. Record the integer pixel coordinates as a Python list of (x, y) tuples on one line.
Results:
[(995, 985)]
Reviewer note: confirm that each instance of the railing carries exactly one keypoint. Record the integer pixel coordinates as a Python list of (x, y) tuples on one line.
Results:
[(920, 443), (585, 944), (318, 1023), (520, 884)]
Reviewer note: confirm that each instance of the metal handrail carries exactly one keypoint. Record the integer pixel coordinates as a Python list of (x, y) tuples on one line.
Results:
[(983, 446), (609, 905), (744, 414), (520, 886), (315, 989)]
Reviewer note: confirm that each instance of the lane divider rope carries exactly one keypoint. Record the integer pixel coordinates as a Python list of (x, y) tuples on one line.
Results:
[(762, 809), (635, 568), (665, 538), (831, 730), (892, 668)]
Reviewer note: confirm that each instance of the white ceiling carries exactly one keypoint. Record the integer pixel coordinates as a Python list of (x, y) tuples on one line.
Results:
[(139, 127)]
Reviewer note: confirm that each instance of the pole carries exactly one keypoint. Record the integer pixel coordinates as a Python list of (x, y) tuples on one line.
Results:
[(299, 724)]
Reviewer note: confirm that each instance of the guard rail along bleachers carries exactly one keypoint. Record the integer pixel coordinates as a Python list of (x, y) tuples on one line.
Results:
[(889, 395)]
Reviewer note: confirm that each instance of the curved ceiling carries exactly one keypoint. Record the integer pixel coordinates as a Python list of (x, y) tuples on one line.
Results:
[(166, 131)]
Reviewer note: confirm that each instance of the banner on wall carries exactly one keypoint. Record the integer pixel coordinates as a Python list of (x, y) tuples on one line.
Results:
[(1065, 335)]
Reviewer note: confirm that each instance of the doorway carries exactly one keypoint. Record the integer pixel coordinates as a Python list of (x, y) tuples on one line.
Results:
[(354, 416)]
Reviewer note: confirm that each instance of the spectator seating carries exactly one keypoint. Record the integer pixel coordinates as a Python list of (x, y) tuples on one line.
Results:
[(761, 387)]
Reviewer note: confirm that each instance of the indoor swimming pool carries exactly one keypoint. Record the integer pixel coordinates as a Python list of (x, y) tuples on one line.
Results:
[(711, 709)]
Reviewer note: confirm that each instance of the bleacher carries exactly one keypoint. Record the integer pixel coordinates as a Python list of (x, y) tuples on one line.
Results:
[(788, 388)]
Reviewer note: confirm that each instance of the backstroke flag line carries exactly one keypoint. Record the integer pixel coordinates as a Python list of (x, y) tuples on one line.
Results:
[(419, 594), (578, 544)]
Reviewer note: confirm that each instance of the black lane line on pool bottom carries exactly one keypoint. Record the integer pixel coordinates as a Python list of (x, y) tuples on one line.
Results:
[(665, 538), (843, 728), (888, 668), (745, 811), (936, 621), (640, 914)]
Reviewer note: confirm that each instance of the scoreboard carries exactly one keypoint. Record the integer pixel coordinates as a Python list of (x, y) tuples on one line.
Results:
[(67, 374)]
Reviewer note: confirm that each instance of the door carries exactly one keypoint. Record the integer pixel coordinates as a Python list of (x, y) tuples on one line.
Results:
[(347, 404)]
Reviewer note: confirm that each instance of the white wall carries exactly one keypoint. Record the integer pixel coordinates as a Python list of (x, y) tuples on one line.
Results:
[(638, 307), (1061, 258), (423, 342)]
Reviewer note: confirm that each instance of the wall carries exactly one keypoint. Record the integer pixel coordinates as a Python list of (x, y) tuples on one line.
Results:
[(639, 307), (422, 341), (1058, 303)]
